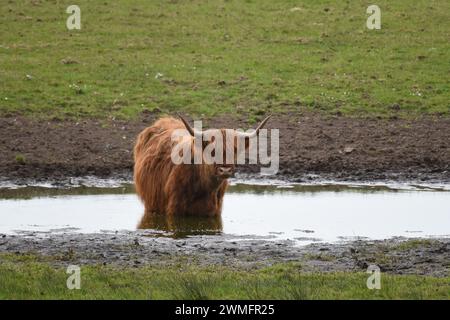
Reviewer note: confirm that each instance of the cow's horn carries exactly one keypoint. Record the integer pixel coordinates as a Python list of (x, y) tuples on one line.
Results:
[(255, 133), (191, 130)]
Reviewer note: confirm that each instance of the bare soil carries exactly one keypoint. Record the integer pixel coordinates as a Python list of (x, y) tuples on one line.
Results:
[(335, 147)]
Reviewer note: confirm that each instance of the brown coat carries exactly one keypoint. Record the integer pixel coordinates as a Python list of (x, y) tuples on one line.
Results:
[(168, 188)]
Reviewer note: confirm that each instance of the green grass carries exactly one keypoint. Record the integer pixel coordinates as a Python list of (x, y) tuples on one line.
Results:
[(20, 159), (27, 277), (414, 243), (242, 57)]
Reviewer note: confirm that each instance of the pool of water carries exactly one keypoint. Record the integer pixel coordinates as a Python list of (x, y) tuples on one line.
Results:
[(302, 213)]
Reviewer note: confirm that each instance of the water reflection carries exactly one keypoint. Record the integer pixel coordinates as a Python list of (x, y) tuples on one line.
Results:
[(303, 213), (182, 226)]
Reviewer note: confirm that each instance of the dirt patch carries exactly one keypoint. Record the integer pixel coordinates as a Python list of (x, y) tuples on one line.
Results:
[(397, 256), (310, 144)]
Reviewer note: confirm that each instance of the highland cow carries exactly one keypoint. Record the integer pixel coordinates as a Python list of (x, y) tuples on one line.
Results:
[(182, 189)]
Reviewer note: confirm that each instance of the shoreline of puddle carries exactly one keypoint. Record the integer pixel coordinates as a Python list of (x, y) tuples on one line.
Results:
[(94, 186), (241, 179), (399, 255)]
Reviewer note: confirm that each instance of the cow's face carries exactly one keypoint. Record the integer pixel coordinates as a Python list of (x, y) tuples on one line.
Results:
[(217, 150), (220, 147), (223, 163)]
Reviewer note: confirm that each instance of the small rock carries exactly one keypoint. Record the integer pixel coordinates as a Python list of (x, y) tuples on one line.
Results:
[(348, 149), (69, 61)]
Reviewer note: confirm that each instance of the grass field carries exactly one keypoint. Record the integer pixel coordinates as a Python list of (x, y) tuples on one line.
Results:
[(242, 57), (24, 277)]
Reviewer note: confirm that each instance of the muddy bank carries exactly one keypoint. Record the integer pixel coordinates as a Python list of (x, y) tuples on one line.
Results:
[(332, 147), (397, 256)]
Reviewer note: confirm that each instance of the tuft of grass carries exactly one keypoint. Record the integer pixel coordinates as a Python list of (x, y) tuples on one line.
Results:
[(241, 57), (193, 286), (20, 159), (414, 243), (28, 277)]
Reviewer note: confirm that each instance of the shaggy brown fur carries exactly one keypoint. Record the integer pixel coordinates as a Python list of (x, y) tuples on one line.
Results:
[(190, 189), (167, 188)]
